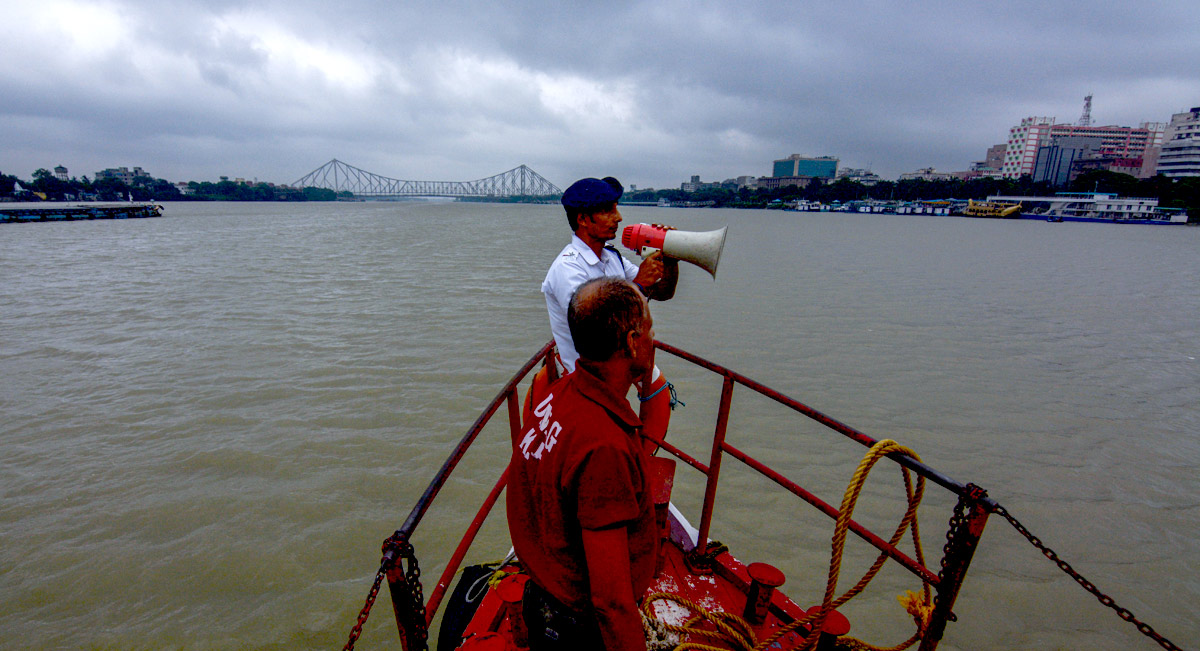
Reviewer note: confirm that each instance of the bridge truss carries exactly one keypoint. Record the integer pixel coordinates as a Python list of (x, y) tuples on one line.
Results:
[(340, 177)]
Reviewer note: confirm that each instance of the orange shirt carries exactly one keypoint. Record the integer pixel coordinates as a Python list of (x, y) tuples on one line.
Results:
[(579, 463)]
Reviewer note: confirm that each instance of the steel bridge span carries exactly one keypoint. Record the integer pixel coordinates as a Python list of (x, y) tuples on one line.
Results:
[(340, 177)]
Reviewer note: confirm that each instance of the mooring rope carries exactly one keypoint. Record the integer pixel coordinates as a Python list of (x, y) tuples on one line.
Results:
[(735, 632)]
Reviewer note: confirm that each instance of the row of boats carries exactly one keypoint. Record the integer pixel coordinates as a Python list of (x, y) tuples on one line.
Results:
[(1065, 206), (12, 213)]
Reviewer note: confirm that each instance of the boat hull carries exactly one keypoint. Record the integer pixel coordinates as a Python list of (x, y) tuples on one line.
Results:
[(1100, 220)]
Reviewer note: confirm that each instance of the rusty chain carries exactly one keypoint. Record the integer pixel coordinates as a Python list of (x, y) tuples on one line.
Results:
[(957, 521), (412, 577), (404, 550), (1123, 613), (356, 631)]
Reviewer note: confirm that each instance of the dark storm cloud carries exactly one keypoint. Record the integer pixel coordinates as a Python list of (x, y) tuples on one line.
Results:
[(652, 92)]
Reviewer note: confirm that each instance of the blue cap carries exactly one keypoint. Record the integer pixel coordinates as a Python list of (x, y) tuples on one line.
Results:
[(587, 194)]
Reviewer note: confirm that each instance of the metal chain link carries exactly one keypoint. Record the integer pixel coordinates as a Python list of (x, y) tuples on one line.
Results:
[(1122, 612), (413, 579), (957, 521), (356, 632), (404, 550)]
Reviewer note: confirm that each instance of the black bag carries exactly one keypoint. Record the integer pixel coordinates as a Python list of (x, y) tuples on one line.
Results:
[(464, 601)]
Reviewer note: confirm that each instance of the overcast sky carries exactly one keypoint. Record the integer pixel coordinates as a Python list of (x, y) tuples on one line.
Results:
[(650, 92)]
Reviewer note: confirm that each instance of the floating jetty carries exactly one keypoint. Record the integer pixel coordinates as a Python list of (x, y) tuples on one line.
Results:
[(58, 212)]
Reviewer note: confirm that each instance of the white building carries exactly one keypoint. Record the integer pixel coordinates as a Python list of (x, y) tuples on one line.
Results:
[(926, 174), (750, 182), (696, 185), (122, 174), (1180, 155), (863, 176)]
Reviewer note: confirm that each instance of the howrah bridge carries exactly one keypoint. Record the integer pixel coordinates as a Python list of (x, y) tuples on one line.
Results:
[(340, 177)]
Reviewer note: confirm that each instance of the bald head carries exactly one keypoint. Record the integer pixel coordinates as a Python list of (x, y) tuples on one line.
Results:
[(601, 313)]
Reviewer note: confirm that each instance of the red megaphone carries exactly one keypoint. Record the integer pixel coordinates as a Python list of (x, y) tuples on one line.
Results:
[(700, 249)]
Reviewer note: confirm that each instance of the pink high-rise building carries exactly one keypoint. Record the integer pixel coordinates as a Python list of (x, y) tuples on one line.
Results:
[(1033, 132)]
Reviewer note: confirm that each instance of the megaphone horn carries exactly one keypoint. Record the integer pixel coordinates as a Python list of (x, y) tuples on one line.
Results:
[(701, 249)]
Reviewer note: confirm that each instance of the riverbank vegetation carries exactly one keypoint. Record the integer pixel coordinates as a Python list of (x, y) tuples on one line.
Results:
[(44, 186), (1171, 193)]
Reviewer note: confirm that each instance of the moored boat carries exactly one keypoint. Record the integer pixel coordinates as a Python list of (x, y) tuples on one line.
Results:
[(1095, 207), (995, 209), (51, 211), (703, 596)]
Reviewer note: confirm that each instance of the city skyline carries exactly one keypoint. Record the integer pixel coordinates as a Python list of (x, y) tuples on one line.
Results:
[(652, 93)]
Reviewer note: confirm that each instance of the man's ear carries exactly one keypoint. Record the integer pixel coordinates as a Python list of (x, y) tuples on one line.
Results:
[(630, 349)]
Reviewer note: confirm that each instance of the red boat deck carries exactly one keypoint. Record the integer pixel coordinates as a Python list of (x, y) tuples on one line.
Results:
[(723, 589), (714, 593)]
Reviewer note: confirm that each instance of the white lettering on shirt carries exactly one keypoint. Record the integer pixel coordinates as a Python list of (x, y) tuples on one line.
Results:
[(546, 429), (530, 436)]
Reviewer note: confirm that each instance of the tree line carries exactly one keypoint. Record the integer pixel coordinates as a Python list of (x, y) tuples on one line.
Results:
[(1171, 193), (45, 185)]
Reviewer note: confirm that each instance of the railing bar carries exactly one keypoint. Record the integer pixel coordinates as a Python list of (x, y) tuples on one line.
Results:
[(435, 598), (842, 428), (714, 465), (679, 454), (422, 505), (862, 532), (514, 415)]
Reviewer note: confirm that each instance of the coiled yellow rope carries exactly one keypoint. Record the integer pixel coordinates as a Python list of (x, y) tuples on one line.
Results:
[(729, 628), (737, 633)]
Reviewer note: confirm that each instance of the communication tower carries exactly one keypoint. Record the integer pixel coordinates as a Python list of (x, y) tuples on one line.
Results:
[(1085, 120)]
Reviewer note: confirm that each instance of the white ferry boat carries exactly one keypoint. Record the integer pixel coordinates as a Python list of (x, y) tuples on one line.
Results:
[(1094, 207)]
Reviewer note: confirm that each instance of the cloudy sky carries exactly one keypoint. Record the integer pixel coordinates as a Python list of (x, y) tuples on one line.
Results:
[(651, 92)]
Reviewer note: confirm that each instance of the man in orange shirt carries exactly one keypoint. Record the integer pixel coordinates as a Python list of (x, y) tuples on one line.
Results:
[(580, 509)]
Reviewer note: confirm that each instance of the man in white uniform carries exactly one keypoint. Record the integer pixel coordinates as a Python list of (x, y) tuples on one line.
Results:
[(592, 213)]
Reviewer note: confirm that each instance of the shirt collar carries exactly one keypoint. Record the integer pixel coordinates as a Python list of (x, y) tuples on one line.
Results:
[(592, 388), (589, 256)]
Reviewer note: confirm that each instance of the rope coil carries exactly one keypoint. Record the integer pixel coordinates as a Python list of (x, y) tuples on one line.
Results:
[(736, 633)]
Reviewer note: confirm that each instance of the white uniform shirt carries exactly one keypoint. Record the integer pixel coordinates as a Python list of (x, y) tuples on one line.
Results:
[(576, 265)]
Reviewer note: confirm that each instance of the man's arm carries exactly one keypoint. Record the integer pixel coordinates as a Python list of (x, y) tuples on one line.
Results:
[(561, 281), (664, 289), (611, 584), (659, 275)]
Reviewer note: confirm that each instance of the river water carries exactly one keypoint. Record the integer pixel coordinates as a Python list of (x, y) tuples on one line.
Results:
[(210, 421)]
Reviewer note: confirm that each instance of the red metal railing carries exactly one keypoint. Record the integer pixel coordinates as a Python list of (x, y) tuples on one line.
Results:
[(958, 551)]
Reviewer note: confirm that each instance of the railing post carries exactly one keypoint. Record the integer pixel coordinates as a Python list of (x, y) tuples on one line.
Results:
[(410, 612), (960, 549), (514, 415), (714, 465)]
